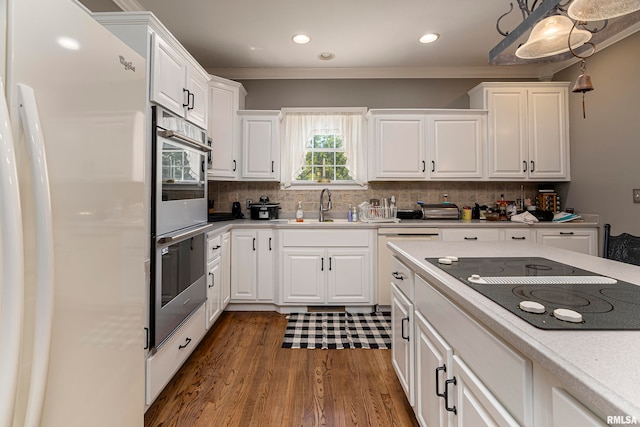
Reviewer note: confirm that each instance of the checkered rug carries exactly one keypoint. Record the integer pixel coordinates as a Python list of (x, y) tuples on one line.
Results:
[(338, 330)]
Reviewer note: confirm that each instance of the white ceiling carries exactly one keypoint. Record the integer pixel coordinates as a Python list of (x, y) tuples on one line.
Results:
[(248, 39)]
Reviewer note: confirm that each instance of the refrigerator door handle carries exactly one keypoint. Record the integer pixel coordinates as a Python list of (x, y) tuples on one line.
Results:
[(12, 267), (45, 284)]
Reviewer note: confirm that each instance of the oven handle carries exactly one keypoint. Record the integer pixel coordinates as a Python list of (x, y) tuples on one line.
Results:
[(182, 236), (172, 134)]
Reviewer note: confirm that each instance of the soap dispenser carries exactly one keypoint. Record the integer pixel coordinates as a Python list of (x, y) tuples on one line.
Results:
[(299, 213)]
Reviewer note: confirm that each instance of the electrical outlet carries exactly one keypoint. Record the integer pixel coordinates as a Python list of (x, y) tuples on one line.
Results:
[(249, 201), (636, 195)]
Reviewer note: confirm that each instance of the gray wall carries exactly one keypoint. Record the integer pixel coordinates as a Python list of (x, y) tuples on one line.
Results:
[(370, 93), (605, 147)]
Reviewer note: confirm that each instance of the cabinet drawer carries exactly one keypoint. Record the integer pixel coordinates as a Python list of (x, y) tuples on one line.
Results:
[(169, 358), (214, 245), (402, 277), (332, 238), (518, 235), (506, 373), (469, 234)]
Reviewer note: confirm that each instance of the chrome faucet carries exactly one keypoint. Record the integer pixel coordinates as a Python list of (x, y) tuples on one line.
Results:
[(322, 208)]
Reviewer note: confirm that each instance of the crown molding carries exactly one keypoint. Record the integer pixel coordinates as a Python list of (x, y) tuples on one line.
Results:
[(129, 5)]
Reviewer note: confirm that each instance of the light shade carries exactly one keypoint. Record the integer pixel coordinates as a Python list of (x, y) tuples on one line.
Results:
[(598, 10), (550, 37), (429, 38)]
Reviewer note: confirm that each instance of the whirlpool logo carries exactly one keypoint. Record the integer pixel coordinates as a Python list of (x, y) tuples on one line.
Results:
[(128, 65)]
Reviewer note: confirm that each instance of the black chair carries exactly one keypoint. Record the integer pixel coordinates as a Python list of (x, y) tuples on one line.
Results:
[(624, 247)]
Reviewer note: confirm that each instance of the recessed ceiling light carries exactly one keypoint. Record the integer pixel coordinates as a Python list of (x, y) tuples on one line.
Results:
[(326, 56), (429, 38), (301, 38)]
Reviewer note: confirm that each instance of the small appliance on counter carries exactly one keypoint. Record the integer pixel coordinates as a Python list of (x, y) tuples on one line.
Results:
[(236, 210), (264, 209), (410, 213), (221, 216), (439, 211)]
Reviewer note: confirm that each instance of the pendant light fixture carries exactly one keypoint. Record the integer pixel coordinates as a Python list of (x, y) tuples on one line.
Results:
[(583, 82), (599, 10), (551, 36)]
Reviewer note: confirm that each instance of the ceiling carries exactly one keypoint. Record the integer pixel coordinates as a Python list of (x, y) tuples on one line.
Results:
[(251, 39)]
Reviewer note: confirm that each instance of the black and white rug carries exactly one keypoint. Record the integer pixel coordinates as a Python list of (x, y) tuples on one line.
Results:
[(338, 330)]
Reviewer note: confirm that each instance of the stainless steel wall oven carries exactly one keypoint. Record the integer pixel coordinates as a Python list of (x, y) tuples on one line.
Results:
[(178, 222)]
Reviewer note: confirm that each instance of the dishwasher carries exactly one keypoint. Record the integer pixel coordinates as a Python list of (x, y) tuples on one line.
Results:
[(390, 234)]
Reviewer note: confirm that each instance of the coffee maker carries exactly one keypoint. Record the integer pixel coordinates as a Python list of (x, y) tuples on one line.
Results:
[(236, 210)]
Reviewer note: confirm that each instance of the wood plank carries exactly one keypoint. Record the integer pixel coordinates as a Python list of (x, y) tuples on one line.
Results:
[(240, 376)]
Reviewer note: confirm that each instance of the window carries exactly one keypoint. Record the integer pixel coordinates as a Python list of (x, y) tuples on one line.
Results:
[(321, 145), (325, 158)]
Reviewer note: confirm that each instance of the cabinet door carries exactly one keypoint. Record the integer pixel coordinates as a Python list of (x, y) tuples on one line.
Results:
[(244, 266), (402, 350), (303, 277), (433, 363), (507, 122), (213, 306), (265, 278), (223, 104), (198, 102), (456, 144), (548, 133), (225, 270), (348, 278), (167, 81), (260, 148), (474, 403), (399, 147), (567, 411), (577, 240)]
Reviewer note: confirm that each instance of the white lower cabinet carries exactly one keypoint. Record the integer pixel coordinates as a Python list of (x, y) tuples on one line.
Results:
[(166, 361), (464, 375), (327, 267), (574, 239), (433, 360), (567, 411), (225, 270), (402, 348), (252, 272), (473, 403), (213, 305)]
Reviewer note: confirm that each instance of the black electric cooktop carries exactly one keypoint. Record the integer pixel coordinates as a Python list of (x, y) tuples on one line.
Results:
[(595, 302)]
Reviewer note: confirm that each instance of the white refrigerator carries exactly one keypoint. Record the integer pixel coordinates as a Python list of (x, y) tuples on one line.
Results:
[(73, 220)]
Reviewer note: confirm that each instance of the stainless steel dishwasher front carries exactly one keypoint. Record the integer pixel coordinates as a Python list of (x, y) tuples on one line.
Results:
[(389, 234)]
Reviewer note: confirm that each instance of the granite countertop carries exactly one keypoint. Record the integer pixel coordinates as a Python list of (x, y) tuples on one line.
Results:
[(600, 368), (589, 221)]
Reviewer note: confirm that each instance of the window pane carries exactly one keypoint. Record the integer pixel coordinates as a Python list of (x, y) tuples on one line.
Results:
[(341, 159), (342, 173), (338, 141)]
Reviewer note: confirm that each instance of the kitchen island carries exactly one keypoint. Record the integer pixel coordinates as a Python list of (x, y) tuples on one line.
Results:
[(598, 368)]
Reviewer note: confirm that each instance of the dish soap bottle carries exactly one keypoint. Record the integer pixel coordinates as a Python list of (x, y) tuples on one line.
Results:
[(299, 213)]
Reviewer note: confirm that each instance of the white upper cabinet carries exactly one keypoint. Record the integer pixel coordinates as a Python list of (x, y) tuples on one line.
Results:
[(260, 145), (399, 146), (176, 80), (178, 83), (528, 130), (226, 97), (426, 144), (456, 142)]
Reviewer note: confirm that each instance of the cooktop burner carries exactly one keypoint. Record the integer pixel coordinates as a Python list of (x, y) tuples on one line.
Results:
[(536, 288)]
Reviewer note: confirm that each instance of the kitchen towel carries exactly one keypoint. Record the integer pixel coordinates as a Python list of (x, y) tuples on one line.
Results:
[(525, 217)]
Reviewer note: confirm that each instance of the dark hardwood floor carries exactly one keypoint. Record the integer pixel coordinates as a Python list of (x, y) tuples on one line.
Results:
[(240, 376)]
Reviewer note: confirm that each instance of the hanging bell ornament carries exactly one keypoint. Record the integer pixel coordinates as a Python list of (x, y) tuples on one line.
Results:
[(583, 84)]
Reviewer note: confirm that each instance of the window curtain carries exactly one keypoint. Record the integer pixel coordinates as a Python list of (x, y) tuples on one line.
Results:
[(299, 128)]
